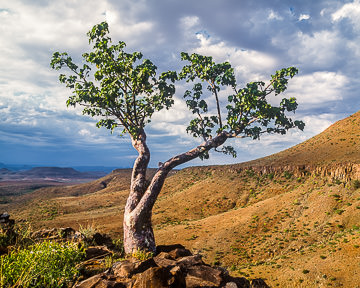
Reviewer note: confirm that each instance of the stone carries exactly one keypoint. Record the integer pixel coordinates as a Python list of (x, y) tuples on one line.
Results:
[(4, 217), (100, 281), (97, 252), (155, 277), (231, 285), (241, 282), (123, 269), (102, 239), (91, 282), (202, 276), (45, 233), (67, 233), (164, 270), (179, 252), (128, 268), (164, 260), (258, 283), (168, 248), (144, 265), (189, 261)]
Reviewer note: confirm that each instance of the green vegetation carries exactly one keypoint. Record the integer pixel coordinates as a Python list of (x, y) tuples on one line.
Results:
[(46, 264), (142, 254)]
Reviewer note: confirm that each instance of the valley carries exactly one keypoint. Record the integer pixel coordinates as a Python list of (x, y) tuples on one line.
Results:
[(292, 218)]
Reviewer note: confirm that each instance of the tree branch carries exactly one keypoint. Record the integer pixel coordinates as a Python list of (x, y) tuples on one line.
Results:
[(148, 199), (212, 85)]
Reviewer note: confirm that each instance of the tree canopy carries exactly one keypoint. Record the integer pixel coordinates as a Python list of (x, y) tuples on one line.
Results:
[(123, 90)]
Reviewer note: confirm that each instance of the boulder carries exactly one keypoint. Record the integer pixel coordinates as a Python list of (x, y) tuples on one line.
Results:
[(154, 277), (258, 283), (100, 281), (203, 276), (172, 267)]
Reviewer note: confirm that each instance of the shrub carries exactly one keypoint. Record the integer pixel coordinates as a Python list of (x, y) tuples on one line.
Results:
[(356, 184), (142, 255), (288, 175), (46, 264)]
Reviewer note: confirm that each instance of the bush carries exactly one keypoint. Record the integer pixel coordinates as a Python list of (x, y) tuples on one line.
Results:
[(46, 264), (356, 184)]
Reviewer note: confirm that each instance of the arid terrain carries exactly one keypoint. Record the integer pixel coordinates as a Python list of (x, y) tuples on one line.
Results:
[(292, 218)]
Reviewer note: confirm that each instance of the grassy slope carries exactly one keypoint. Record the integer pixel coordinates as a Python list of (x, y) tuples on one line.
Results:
[(293, 231)]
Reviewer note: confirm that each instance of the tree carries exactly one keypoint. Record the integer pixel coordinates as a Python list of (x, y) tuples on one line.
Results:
[(124, 92)]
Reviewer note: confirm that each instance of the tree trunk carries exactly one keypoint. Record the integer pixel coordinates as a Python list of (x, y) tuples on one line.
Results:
[(138, 232)]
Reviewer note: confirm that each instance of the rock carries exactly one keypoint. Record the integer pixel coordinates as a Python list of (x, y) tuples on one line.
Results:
[(144, 265), (167, 269), (155, 277), (231, 285), (123, 269), (179, 252), (45, 234), (258, 283), (97, 252), (164, 260), (168, 248), (189, 261), (102, 239), (91, 282), (128, 268), (4, 217), (240, 282), (203, 276), (100, 281)]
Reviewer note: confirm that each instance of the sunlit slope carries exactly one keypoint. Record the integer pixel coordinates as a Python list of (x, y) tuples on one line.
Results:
[(340, 143)]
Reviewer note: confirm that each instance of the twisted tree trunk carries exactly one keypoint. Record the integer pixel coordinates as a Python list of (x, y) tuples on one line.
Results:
[(138, 232)]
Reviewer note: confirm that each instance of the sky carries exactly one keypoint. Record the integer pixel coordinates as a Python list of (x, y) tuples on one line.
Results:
[(321, 38)]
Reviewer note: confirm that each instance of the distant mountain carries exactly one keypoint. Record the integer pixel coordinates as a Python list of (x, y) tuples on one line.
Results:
[(56, 172), (22, 167), (49, 173)]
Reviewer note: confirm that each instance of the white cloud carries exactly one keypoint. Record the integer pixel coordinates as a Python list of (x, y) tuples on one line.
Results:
[(249, 65), (84, 132), (317, 88), (304, 17), (320, 50), (351, 11), (274, 16), (189, 22)]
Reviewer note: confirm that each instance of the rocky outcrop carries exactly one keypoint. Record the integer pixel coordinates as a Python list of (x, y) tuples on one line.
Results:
[(345, 172), (173, 266)]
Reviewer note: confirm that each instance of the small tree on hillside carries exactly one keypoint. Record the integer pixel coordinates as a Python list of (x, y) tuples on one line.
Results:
[(124, 92)]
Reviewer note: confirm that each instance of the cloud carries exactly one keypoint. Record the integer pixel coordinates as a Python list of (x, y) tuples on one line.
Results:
[(274, 16), (350, 11), (304, 17), (318, 88), (319, 37)]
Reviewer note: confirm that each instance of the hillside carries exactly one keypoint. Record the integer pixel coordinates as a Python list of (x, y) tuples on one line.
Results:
[(338, 144), (291, 218)]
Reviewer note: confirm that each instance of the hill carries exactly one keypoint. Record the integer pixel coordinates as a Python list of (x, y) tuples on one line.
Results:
[(338, 144), (291, 218)]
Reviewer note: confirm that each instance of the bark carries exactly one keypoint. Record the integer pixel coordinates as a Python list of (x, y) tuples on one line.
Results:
[(138, 233)]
